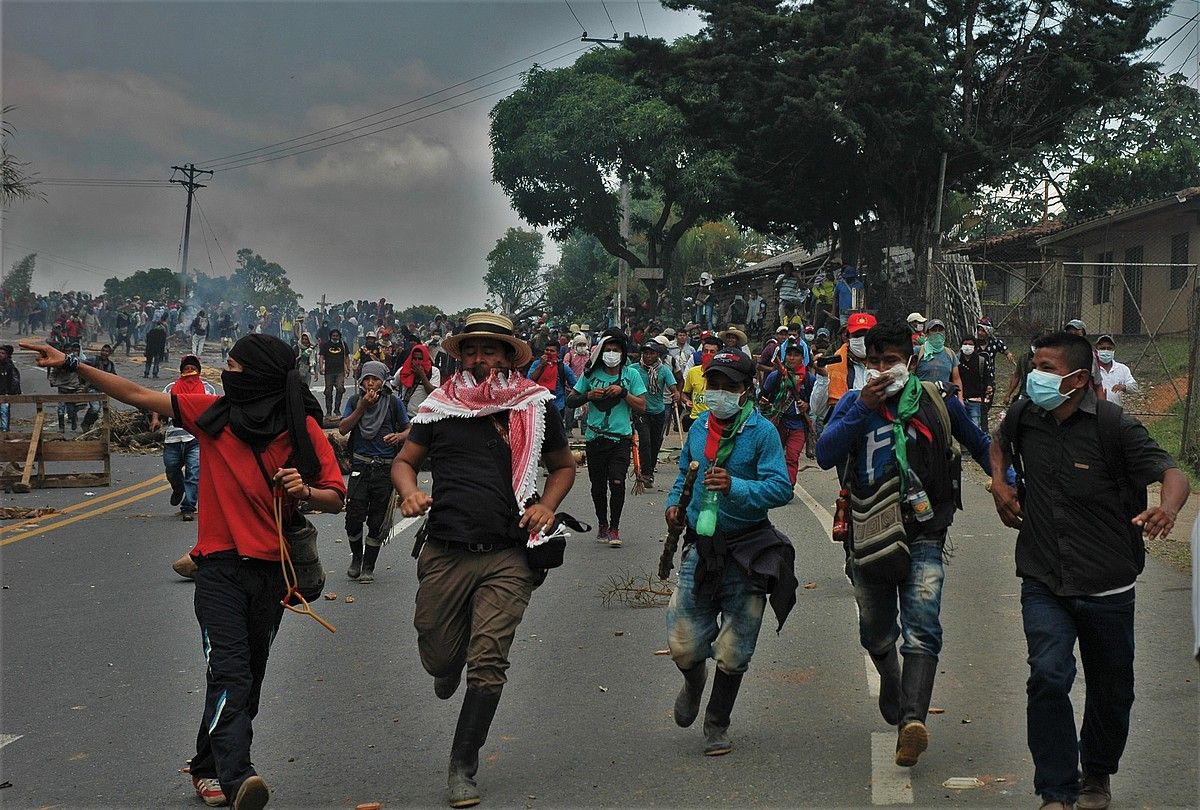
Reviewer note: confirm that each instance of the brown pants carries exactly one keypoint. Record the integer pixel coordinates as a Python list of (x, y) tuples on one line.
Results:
[(468, 609)]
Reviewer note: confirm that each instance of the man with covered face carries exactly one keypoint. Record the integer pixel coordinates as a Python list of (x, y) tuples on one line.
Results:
[(483, 432), (377, 423)]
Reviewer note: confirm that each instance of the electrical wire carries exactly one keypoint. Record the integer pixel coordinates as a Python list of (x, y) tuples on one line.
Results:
[(73, 264), (576, 16), (208, 222), (225, 158), (643, 16), (334, 140), (604, 6)]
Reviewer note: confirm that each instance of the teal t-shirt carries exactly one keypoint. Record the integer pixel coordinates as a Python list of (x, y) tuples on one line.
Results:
[(655, 402), (615, 422)]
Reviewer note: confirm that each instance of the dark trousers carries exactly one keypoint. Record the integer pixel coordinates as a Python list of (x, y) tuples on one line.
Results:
[(1104, 628), (367, 497), (650, 428), (237, 605), (608, 464), (334, 383)]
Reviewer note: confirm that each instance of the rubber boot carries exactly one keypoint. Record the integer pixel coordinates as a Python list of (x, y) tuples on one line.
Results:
[(370, 555), (917, 688), (888, 666), (89, 419), (62, 424), (716, 716), (444, 686), (356, 559), (687, 705), (474, 720)]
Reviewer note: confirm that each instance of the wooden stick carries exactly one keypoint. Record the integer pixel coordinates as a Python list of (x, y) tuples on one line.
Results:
[(35, 439), (667, 561)]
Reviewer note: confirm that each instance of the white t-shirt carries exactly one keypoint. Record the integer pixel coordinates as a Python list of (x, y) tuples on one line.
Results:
[(1118, 374)]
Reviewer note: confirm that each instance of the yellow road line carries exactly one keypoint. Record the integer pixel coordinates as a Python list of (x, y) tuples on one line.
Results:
[(63, 523), (75, 507)]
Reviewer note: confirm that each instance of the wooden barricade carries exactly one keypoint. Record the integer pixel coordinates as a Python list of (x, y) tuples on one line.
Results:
[(32, 452)]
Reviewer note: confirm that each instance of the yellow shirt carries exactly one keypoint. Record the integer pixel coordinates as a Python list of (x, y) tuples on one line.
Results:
[(694, 385)]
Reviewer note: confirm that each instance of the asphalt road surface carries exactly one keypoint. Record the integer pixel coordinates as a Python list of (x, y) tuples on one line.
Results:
[(103, 677)]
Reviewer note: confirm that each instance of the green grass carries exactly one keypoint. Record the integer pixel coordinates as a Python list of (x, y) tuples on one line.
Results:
[(1168, 432)]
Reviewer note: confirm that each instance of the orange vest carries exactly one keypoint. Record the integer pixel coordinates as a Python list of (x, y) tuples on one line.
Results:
[(838, 374)]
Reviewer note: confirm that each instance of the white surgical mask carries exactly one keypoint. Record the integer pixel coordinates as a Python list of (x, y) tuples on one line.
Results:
[(1106, 355), (723, 404), (968, 349), (611, 359), (858, 346)]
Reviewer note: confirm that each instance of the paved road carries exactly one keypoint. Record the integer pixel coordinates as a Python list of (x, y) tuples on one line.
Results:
[(102, 680)]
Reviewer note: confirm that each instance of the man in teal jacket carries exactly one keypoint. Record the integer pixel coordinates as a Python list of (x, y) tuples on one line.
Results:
[(730, 570)]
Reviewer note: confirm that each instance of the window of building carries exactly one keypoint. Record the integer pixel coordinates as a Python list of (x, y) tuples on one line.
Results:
[(1179, 260), (1102, 278)]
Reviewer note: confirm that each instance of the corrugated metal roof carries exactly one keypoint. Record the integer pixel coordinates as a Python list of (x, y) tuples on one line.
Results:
[(1123, 215), (797, 256)]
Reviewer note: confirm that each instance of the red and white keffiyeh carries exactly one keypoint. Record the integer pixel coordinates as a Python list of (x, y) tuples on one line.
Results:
[(463, 397)]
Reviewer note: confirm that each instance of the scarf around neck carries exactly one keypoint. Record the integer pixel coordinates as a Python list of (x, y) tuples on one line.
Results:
[(463, 397)]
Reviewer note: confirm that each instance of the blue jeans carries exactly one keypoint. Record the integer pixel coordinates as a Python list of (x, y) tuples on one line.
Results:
[(975, 411), (182, 461), (152, 366), (694, 633), (1104, 628), (4, 411), (912, 608)]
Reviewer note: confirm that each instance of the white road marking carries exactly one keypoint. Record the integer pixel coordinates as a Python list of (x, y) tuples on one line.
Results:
[(890, 784), (823, 516), (5, 739)]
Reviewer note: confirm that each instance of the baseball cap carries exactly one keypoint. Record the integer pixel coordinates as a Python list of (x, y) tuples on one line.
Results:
[(1075, 323), (371, 334), (915, 317), (734, 365), (781, 329), (669, 332), (934, 324), (860, 321)]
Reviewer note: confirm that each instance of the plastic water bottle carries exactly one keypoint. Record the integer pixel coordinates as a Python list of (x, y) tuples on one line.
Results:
[(706, 521), (917, 498)]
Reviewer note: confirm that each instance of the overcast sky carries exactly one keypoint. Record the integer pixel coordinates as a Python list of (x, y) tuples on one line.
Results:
[(125, 90)]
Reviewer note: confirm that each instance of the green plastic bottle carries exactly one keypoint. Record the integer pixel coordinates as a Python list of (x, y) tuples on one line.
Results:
[(706, 521)]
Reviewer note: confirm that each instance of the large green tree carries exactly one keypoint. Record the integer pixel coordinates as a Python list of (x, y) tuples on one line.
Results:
[(263, 283), (840, 110), (156, 283), (580, 287), (1109, 156), (563, 143), (18, 281), (514, 275)]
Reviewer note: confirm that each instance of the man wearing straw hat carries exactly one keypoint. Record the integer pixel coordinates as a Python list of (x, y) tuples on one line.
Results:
[(262, 436), (483, 432)]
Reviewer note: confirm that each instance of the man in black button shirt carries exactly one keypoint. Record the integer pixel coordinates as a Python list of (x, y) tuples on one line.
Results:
[(483, 432), (1082, 515)]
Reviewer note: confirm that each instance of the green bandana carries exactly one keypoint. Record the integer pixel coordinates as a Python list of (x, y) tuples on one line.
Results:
[(906, 409), (729, 434)]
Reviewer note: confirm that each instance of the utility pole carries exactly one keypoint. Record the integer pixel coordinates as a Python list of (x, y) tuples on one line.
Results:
[(935, 249), (191, 173)]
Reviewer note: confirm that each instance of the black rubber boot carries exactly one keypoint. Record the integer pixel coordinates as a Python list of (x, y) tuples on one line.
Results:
[(370, 555), (716, 716), (917, 688), (687, 705), (445, 686), (89, 419), (356, 559), (474, 720), (62, 424), (888, 666)]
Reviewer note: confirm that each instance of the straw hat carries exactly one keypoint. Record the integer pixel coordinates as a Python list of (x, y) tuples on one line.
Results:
[(493, 326), (736, 333)]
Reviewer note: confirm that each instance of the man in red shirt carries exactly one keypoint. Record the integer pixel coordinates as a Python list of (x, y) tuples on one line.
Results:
[(261, 437)]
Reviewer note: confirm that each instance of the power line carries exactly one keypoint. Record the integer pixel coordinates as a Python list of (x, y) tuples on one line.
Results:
[(604, 6), (335, 140), (576, 16), (78, 265), (643, 16), (227, 158), (208, 222)]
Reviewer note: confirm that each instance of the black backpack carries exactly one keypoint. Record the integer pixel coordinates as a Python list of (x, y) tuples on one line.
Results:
[(1108, 425)]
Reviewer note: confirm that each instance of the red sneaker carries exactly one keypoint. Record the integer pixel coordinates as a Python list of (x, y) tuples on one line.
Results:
[(210, 791)]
